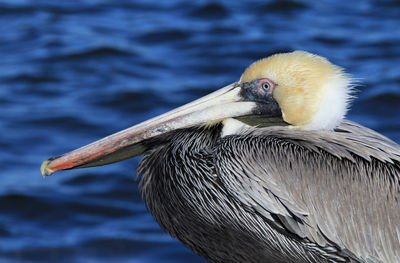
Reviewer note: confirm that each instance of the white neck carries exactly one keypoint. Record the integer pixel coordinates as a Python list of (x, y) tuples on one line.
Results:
[(334, 104)]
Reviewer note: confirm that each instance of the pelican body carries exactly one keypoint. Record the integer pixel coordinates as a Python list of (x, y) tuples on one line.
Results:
[(266, 169)]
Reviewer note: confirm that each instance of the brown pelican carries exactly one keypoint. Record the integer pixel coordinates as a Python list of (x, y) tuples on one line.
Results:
[(266, 169)]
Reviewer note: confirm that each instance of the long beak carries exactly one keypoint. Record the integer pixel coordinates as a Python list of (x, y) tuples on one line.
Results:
[(227, 102)]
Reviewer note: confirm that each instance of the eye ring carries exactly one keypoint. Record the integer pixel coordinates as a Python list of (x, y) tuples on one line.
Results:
[(265, 85)]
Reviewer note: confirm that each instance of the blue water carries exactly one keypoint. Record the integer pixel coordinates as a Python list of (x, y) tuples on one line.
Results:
[(72, 72)]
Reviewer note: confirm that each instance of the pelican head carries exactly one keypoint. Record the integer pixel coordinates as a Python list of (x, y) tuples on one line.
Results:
[(306, 90), (312, 93)]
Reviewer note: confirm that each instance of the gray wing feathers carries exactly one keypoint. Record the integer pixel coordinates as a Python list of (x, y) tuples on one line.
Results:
[(337, 191)]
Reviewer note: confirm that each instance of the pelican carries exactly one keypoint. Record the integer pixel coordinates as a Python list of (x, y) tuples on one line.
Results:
[(265, 169)]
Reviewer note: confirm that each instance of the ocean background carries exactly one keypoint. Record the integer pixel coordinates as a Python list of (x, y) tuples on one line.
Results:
[(72, 72)]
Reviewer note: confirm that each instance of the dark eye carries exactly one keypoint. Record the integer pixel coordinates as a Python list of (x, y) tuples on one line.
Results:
[(266, 86)]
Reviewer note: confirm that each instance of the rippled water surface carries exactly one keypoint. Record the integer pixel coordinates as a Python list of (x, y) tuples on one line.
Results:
[(74, 71)]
